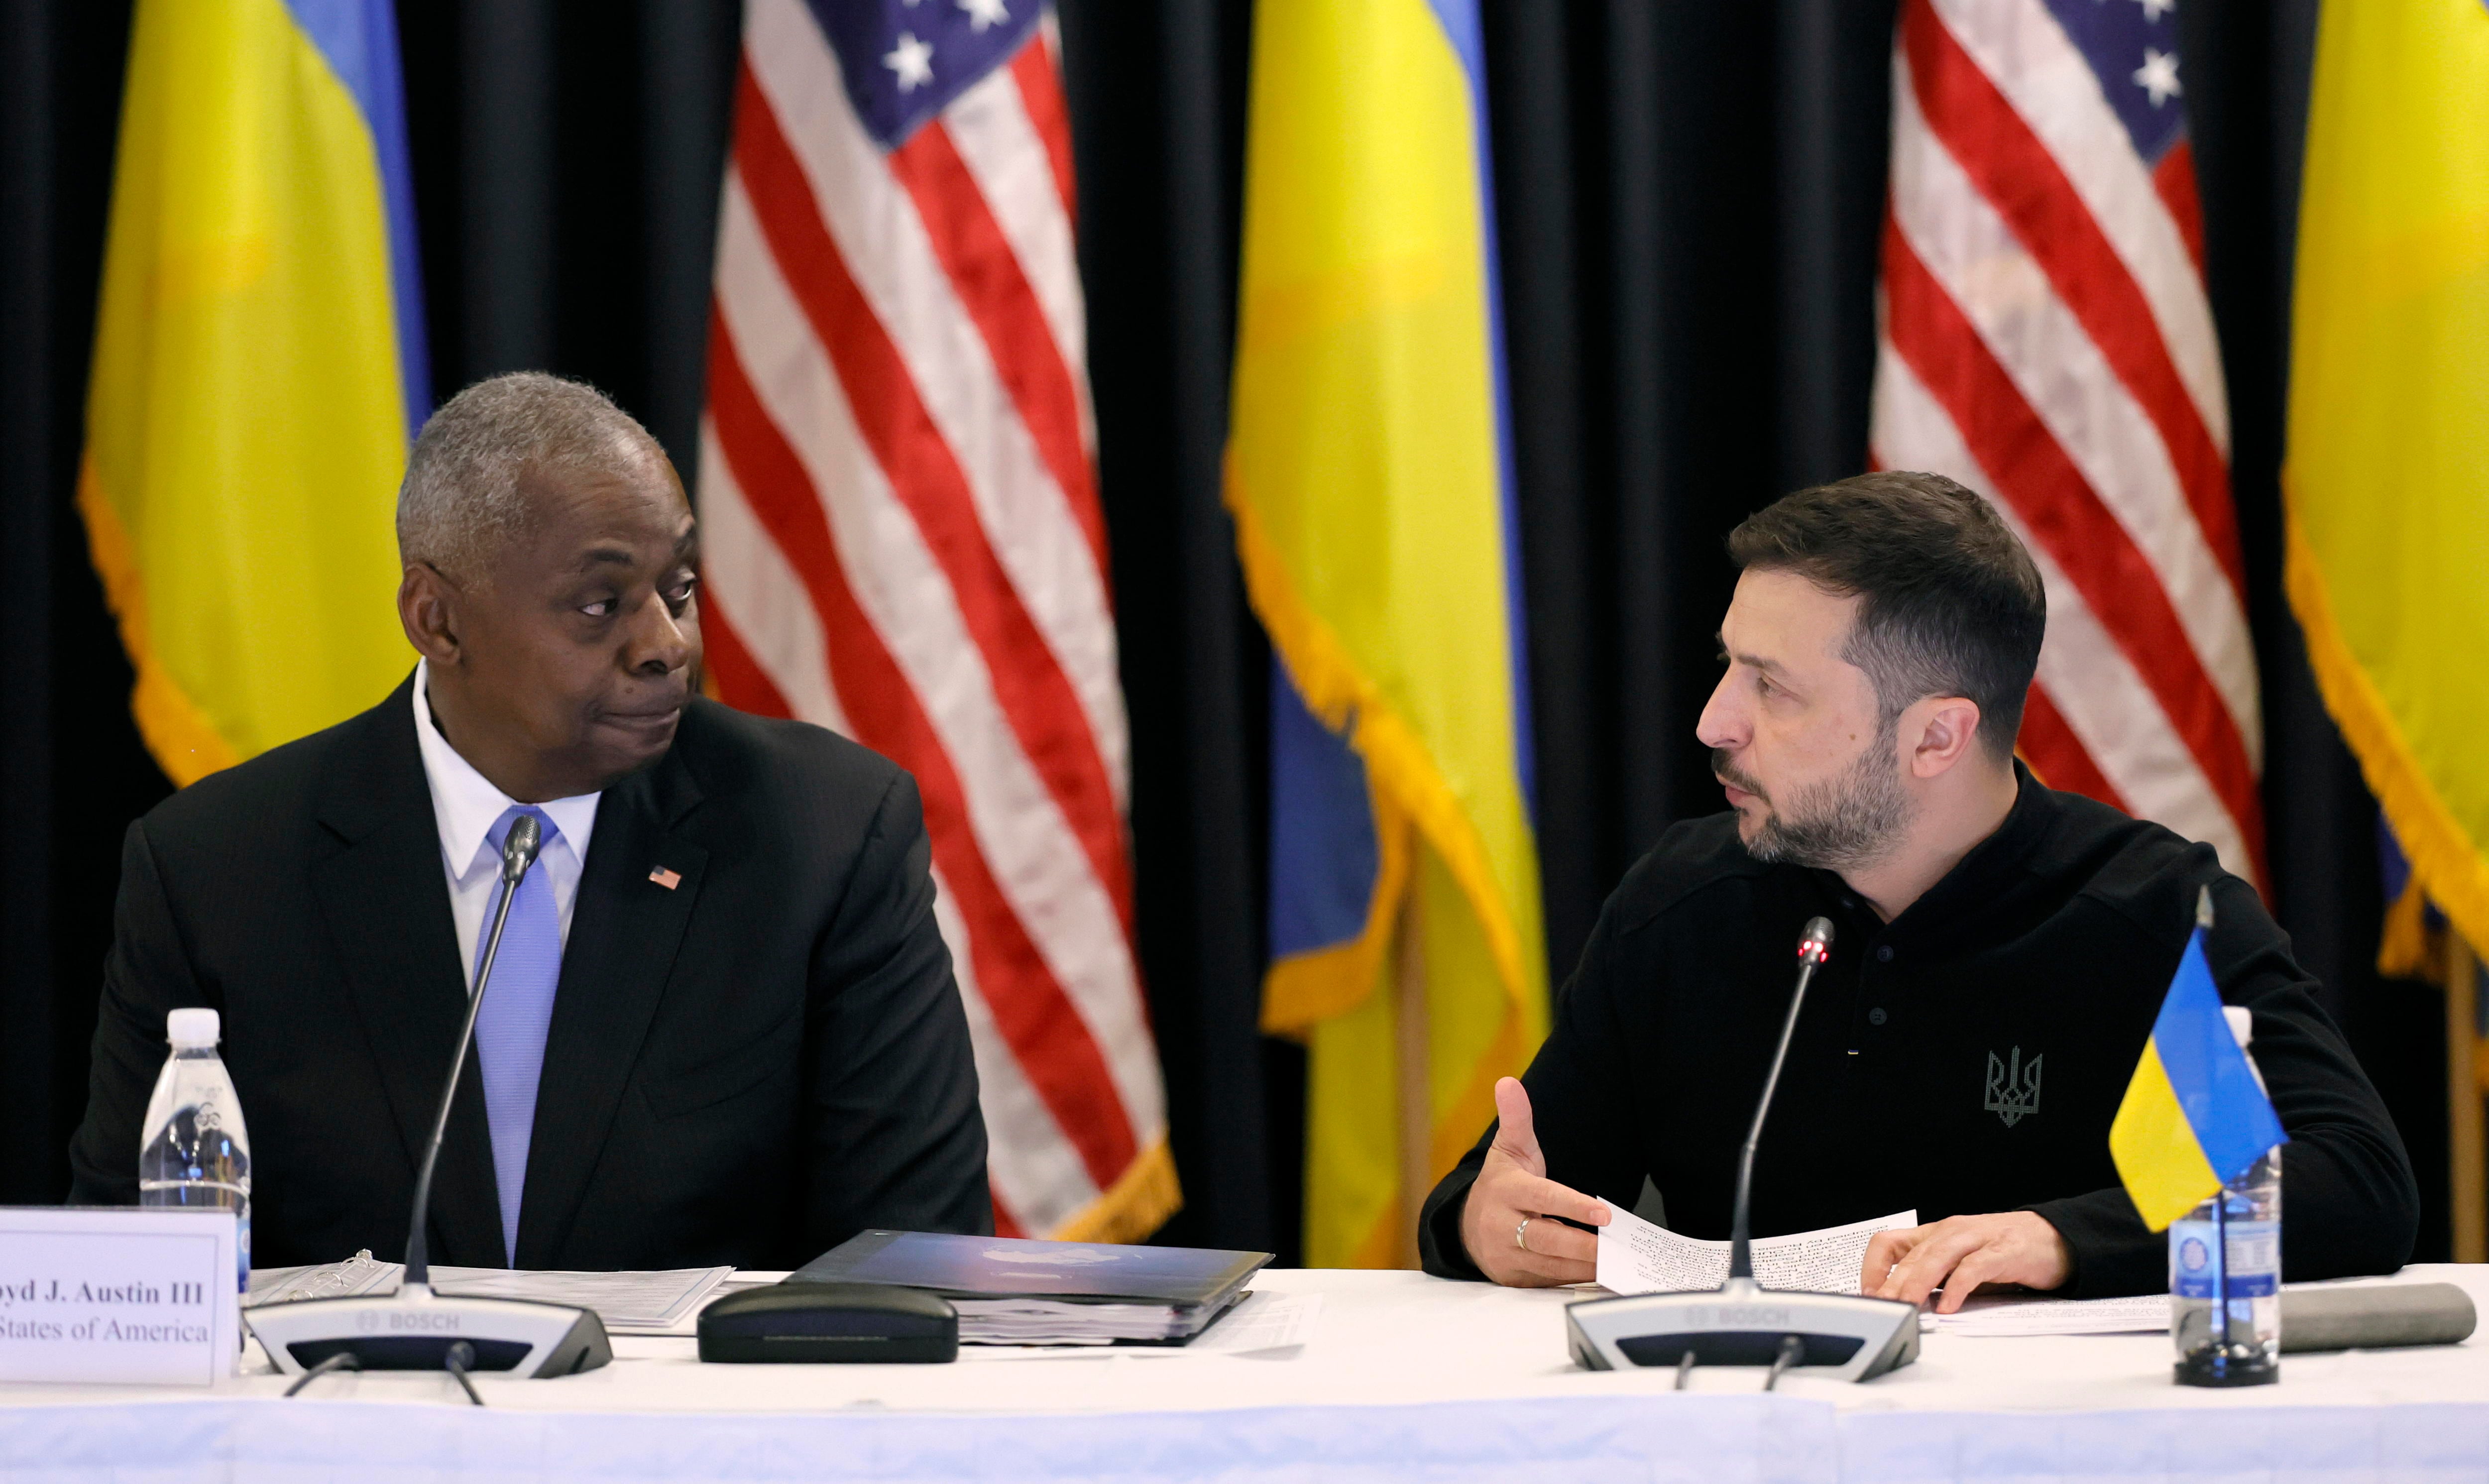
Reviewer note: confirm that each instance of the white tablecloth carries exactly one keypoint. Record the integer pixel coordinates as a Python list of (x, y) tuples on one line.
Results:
[(1405, 1378)]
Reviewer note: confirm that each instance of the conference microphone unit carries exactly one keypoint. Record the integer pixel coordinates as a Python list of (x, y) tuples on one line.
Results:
[(414, 1328), (1742, 1322)]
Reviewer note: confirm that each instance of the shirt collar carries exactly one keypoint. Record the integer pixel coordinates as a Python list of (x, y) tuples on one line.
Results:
[(1982, 875), (465, 803)]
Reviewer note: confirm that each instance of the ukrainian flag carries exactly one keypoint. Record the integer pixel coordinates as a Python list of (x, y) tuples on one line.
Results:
[(1368, 475), (2195, 1117), (2387, 558), (259, 368)]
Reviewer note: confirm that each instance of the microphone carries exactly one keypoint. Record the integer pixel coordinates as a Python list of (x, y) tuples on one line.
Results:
[(414, 1328), (1813, 946), (1744, 1323)]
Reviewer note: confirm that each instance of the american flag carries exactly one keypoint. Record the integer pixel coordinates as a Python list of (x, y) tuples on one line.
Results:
[(2046, 339), (903, 540)]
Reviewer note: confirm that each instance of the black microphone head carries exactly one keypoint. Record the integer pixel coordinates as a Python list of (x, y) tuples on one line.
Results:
[(1815, 945), (519, 849)]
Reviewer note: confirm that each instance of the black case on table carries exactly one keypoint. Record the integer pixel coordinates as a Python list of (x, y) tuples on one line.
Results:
[(837, 1322)]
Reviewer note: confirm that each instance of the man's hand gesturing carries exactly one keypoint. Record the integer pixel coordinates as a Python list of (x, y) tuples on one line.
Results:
[(1512, 1186)]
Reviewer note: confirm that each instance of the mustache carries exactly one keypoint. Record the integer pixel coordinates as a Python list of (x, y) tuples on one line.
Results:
[(1729, 773)]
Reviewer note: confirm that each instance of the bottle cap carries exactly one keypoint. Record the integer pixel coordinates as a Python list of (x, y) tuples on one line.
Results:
[(193, 1027), (2242, 1023)]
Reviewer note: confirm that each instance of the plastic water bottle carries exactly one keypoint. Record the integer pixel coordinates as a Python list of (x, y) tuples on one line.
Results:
[(195, 1152), (2225, 1272)]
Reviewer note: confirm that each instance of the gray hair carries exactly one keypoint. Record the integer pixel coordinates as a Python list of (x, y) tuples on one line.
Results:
[(461, 501)]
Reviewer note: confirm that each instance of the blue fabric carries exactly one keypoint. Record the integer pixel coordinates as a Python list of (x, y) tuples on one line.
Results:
[(1461, 25), (2233, 1119), (1324, 854), (2305, 1432), (359, 39), (2393, 868), (2113, 39), (517, 1012), (959, 43)]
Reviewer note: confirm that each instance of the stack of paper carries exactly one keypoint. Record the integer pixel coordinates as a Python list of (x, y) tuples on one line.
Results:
[(1049, 1322), (628, 1302), (358, 1274)]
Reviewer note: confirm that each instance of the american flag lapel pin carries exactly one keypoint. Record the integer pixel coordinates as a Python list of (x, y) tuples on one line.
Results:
[(669, 879)]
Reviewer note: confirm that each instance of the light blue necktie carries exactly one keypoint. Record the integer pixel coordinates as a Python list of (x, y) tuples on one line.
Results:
[(517, 1011)]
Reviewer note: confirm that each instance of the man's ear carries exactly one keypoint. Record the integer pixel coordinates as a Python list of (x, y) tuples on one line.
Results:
[(427, 609), (1947, 727)]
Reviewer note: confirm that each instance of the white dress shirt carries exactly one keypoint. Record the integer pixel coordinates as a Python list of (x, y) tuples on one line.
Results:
[(466, 805)]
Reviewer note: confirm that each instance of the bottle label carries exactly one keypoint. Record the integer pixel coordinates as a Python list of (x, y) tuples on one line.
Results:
[(2253, 1269)]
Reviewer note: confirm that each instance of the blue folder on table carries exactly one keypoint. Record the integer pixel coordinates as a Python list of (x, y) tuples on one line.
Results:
[(1012, 1290)]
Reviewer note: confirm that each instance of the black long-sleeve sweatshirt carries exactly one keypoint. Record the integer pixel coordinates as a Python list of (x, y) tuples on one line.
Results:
[(1966, 1057)]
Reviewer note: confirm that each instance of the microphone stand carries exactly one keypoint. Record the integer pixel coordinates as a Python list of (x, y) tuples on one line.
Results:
[(517, 853), (414, 1328), (1815, 947), (1742, 1322)]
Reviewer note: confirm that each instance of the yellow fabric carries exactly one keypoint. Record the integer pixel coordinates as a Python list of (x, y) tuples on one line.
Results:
[(246, 427), (1352, 1158), (2388, 539), (1353, 1136), (1362, 473), (1138, 1203), (2407, 949), (2157, 1156)]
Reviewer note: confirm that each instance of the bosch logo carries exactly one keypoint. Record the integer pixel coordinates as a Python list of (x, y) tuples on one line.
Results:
[(1734, 1316), (419, 1321)]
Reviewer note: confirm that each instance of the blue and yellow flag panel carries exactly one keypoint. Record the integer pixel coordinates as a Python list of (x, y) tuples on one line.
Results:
[(2387, 533), (1367, 472), (2195, 1117), (259, 368)]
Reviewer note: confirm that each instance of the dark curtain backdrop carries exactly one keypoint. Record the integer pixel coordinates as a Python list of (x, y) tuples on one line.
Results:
[(1689, 198)]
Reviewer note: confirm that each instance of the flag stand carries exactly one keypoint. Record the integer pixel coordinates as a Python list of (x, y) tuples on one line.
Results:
[(1416, 1076), (2465, 1149)]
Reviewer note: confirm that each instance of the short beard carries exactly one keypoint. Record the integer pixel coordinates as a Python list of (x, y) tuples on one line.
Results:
[(1844, 823)]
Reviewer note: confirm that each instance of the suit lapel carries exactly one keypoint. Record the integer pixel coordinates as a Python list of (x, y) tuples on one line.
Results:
[(626, 929), (385, 903)]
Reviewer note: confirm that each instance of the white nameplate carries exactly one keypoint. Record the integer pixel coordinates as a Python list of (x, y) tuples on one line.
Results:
[(133, 1295)]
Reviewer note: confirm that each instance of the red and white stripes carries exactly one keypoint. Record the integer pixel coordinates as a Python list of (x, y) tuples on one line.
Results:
[(903, 543), (2046, 339)]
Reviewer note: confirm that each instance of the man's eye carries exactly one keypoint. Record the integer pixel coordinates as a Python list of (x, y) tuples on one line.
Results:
[(602, 608), (681, 593)]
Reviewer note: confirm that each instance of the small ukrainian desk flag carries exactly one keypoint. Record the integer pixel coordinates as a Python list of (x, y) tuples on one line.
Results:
[(2195, 1117)]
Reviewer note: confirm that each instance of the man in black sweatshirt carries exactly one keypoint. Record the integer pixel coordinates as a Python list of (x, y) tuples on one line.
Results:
[(2000, 952)]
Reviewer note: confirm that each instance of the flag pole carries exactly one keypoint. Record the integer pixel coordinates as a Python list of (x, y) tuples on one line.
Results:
[(2220, 1197), (1411, 1046), (2467, 1149)]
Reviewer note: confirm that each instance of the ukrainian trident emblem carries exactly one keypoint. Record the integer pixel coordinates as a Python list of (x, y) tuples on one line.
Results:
[(2013, 1089)]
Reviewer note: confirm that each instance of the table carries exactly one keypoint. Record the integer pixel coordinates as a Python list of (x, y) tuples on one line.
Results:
[(1405, 1377)]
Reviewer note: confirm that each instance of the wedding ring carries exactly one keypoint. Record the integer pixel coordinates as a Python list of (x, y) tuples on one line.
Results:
[(1520, 1234)]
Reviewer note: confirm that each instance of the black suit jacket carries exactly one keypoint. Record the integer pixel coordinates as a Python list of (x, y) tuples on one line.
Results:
[(746, 1068)]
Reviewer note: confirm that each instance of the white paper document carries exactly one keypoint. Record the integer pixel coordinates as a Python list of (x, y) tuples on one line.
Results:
[(1265, 1322), (628, 1302), (1636, 1257), (1998, 1315), (358, 1274)]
